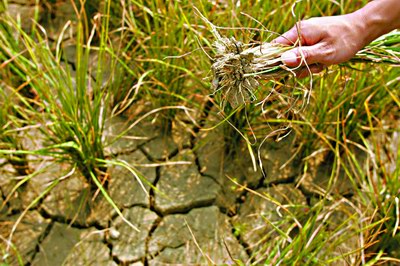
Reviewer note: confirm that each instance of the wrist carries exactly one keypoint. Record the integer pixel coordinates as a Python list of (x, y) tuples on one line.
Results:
[(376, 18), (370, 25)]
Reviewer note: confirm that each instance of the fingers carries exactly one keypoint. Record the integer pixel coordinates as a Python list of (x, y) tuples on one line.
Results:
[(289, 38), (291, 58), (318, 53)]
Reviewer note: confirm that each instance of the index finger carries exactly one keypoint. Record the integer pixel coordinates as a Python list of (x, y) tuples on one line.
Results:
[(289, 38)]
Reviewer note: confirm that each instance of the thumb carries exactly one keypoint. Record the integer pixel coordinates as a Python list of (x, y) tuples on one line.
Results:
[(305, 55)]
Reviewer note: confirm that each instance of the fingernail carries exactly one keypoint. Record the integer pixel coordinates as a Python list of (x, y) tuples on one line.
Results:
[(290, 58)]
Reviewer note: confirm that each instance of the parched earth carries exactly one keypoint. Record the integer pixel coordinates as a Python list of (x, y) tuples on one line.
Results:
[(193, 206), (188, 211)]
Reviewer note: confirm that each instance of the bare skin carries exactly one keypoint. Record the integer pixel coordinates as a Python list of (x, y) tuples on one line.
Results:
[(332, 40)]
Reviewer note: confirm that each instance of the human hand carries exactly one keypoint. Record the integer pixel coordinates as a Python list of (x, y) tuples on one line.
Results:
[(324, 41)]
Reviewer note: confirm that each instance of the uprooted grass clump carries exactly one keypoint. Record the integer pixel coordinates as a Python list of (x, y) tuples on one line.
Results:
[(236, 70)]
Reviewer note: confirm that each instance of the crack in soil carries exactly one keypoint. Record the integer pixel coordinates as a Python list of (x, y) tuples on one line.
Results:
[(110, 252), (199, 168), (153, 228), (158, 252), (164, 158), (180, 209), (243, 243), (176, 152), (40, 240), (203, 118), (12, 210), (172, 154), (152, 198), (186, 209), (70, 222), (183, 209), (109, 244), (227, 211), (3, 197), (196, 129), (131, 150), (133, 205), (146, 154), (152, 205), (148, 257), (289, 180), (17, 211), (243, 196)]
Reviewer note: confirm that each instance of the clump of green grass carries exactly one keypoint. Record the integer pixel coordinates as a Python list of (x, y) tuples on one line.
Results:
[(159, 34), (72, 115), (69, 108)]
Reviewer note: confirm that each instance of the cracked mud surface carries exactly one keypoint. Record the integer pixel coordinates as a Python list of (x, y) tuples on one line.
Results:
[(181, 198), (183, 210)]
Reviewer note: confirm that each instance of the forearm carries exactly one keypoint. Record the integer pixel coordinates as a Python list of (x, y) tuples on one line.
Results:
[(377, 18)]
